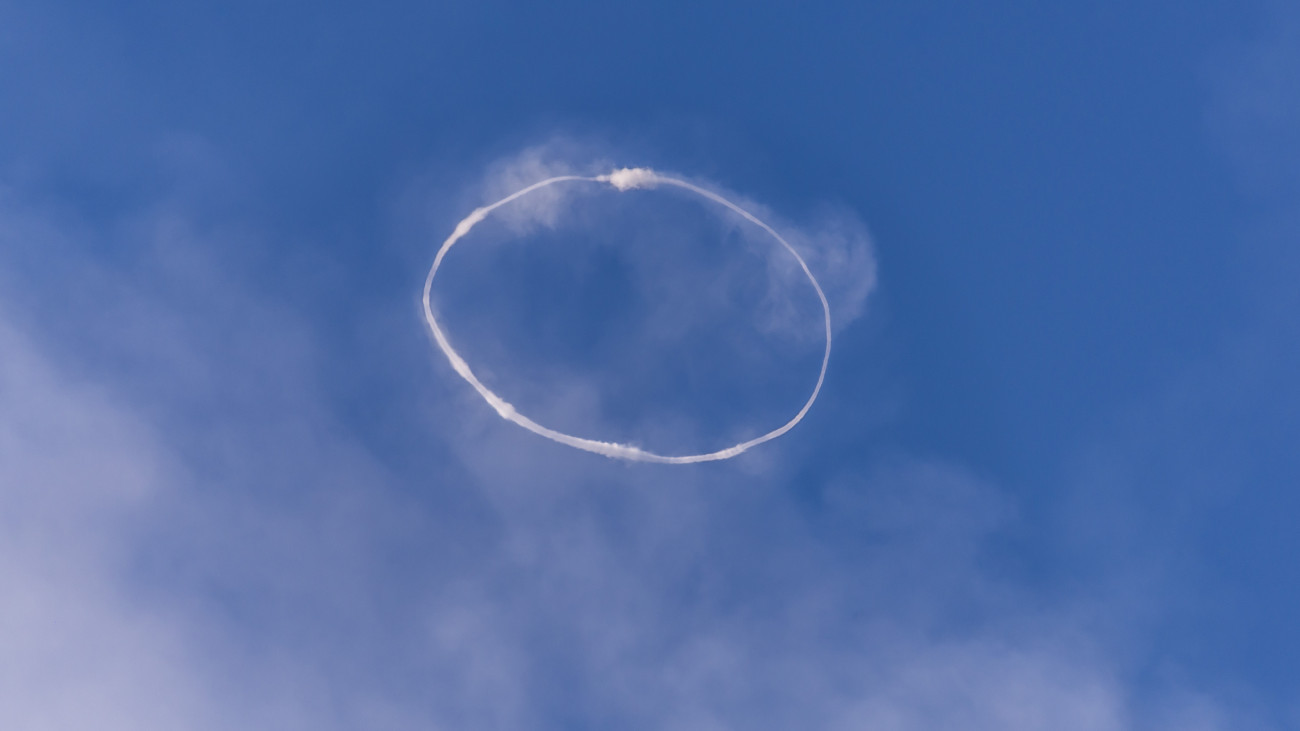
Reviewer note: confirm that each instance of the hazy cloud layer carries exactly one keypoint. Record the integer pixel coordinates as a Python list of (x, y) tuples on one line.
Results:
[(197, 539)]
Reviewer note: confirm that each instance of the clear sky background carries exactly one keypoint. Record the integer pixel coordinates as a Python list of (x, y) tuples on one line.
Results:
[(1052, 480)]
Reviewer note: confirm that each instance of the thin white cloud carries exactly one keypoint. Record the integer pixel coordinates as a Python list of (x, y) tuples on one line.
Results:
[(233, 557), (75, 649)]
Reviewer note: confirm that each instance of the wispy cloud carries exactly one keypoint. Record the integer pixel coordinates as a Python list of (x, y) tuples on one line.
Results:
[(197, 538)]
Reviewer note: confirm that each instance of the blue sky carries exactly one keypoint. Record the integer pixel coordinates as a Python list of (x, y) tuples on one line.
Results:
[(1050, 482)]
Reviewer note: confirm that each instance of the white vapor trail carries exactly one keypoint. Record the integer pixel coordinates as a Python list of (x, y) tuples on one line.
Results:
[(623, 179)]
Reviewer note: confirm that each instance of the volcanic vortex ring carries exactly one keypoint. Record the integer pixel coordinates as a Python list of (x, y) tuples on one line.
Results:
[(623, 179)]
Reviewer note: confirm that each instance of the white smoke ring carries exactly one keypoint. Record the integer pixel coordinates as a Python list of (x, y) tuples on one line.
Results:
[(624, 179)]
